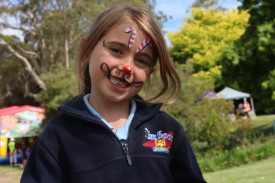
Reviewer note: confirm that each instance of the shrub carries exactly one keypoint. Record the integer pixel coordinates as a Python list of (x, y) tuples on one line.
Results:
[(240, 155)]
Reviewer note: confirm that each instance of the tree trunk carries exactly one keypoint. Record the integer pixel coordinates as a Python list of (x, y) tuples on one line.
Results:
[(67, 53), (29, 68)]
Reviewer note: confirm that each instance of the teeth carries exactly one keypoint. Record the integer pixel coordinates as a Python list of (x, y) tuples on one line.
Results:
[(117, 82)]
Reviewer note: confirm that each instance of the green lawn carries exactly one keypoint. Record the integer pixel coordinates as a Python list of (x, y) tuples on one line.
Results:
[(256, 172), (10, 174), (264, 121), (264, 124)]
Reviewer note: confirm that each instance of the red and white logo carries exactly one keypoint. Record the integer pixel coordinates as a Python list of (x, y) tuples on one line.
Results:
[(160, 142)]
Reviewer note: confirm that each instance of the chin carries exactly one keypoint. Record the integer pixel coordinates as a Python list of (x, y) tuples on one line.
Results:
[(120, 98)]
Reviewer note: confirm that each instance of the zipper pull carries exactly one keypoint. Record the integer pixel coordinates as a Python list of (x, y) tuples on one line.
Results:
[(125, 150)]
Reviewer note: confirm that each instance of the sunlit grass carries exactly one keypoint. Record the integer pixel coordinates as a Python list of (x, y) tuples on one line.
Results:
[(257, 172), (10, 174)]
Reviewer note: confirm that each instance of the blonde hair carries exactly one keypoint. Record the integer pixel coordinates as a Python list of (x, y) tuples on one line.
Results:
[(115, 16)]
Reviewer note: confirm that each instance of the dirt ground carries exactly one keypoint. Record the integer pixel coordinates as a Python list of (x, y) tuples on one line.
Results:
[(10, 174)]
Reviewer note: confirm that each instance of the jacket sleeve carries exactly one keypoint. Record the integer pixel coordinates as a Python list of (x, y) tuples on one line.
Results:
[(42, 166), (184, 166)]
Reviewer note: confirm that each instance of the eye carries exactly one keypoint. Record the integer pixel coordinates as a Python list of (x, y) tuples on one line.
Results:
[(143, 62), (116, 50)]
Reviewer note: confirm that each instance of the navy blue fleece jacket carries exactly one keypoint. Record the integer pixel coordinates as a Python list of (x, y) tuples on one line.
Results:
[(77, 147)]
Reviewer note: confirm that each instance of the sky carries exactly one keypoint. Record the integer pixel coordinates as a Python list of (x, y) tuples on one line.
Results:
[(178, 10)]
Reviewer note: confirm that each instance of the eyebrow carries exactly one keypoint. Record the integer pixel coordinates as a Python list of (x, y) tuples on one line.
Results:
[(116, 43), (146, 55)]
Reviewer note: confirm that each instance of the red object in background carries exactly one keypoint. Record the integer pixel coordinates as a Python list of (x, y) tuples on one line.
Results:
[(16, 109)]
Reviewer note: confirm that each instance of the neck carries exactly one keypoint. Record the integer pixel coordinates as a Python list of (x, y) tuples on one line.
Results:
[(115, 113)]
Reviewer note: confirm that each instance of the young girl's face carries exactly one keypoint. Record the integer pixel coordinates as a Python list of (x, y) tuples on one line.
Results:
[(120, 63)]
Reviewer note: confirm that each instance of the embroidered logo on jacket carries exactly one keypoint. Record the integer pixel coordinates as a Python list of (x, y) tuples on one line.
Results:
[(160, 142)]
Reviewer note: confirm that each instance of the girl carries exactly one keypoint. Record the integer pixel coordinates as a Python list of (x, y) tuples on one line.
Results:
[(108, 133)]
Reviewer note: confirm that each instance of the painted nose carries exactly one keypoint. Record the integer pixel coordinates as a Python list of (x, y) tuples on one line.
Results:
[(127, 68)]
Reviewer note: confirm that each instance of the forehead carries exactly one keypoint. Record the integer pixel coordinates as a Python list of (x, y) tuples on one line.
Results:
[(125, 32)]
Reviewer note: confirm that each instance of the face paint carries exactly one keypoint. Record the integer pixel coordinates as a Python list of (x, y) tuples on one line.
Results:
[(144, 43), (103, 44), (105, 68), (132, 37)]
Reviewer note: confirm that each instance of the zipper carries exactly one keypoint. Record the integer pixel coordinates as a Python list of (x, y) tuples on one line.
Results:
[(123, 142), (124, 145)]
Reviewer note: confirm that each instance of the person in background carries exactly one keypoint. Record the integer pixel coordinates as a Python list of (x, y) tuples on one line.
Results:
[(24, 150), (13, 152), (246, 106)]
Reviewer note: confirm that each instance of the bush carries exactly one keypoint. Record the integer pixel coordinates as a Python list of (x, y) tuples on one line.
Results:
[(240, 155), (61, 87)]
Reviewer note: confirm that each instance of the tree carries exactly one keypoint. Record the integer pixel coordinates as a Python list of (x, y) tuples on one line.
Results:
[(204, 36), (51, 30), (208, 4), (249, 63)]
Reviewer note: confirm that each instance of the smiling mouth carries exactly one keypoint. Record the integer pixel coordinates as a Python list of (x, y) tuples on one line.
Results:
[(118, 81), (121, 82)]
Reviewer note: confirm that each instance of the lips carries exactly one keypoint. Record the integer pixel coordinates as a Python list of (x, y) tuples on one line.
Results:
[(118, 82)]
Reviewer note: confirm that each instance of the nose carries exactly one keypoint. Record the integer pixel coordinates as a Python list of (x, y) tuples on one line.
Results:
[(127, 68), (124, 72)]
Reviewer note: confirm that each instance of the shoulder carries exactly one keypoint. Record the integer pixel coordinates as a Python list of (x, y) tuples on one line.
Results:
[(165, 118), (58, 128)]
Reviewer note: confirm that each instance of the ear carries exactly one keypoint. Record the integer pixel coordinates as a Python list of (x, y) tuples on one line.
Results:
[(85, 58)]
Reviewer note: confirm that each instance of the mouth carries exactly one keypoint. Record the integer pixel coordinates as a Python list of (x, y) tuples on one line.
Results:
[(118, 81)]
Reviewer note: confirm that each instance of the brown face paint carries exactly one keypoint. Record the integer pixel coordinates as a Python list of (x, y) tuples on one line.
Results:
[(105, 68)]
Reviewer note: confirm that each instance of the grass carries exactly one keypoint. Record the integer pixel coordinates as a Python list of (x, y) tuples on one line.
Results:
[(10, 174), (238, 156), (256, 172), (264, 124), (264, 120)]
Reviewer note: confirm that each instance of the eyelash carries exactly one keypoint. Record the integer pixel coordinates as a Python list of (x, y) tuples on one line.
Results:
[(143, 62), (116, 50)]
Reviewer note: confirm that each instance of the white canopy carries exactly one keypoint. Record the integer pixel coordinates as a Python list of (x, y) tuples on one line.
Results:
[(229, 93)]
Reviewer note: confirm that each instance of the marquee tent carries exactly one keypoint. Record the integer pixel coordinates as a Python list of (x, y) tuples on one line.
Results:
[(232, 94)]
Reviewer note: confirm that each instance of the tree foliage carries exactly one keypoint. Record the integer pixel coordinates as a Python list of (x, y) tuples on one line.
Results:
[(204, 36), (205, 121), (208, 4), (61, 87), (249, 63)]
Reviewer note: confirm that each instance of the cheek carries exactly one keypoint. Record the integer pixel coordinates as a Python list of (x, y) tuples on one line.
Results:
[(141, 75)]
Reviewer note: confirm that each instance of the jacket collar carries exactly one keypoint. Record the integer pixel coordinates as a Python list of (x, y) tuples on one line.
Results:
[(77, 108)]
